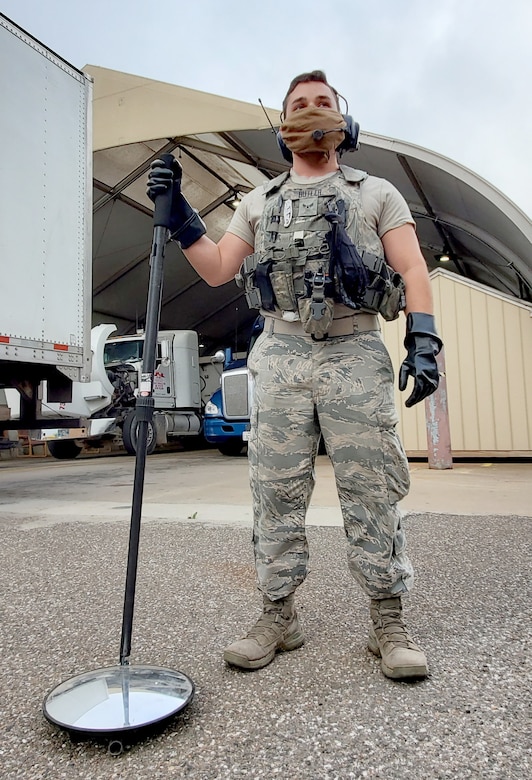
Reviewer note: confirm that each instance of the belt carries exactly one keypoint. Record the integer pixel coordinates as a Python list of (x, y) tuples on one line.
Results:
[(343, 326)]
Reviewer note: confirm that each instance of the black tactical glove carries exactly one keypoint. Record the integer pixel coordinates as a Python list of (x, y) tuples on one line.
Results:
[(186, 225), (423, 344)]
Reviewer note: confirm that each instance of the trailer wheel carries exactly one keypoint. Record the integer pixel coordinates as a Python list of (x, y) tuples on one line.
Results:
[(129, 435), (231, 448), (64, 450)]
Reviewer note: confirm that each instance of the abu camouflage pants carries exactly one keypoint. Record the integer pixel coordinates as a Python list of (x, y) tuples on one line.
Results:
[(343, 388)]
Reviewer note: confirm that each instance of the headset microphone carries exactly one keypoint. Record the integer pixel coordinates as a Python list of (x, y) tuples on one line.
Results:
[(318, 134)]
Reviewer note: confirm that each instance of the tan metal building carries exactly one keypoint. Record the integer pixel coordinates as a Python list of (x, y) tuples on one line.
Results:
[(488, 370)]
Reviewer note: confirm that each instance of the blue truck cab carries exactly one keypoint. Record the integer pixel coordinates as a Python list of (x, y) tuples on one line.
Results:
[(226, 415)]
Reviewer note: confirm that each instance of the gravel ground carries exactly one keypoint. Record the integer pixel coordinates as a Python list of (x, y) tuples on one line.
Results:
[(323, 712)]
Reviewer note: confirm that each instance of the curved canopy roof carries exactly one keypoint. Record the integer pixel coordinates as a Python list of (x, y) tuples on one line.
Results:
[(226, 148)]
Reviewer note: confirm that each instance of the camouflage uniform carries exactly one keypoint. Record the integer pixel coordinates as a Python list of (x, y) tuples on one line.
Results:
[(343, 387)]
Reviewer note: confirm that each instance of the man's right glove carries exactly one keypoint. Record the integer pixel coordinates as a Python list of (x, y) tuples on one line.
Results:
[(423, 344), (186, 225)]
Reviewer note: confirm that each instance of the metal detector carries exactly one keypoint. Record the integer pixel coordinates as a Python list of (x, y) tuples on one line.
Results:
[(129, 700)]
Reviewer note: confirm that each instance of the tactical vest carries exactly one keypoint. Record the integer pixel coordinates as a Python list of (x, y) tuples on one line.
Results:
[(292, 268)]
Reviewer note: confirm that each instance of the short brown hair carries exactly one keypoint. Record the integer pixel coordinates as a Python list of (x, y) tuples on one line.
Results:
[(303, 78)]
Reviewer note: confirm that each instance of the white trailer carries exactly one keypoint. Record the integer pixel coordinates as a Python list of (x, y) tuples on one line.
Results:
[(45, 224)]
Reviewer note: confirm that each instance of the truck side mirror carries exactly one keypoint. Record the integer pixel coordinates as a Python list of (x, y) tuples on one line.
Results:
[(218, 357)]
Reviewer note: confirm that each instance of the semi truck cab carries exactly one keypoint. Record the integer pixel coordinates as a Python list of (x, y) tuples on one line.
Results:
[(227, 413)]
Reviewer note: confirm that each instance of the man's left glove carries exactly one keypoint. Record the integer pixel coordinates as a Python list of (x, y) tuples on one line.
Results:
[(423, 344), (186, 225)]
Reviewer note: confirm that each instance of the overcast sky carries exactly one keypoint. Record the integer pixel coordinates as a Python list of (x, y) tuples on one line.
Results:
[(453, 76)]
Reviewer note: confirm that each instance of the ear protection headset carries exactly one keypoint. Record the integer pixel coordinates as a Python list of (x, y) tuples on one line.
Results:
[(349, 143)]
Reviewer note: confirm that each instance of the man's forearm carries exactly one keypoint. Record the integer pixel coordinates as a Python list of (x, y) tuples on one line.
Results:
[(418, 290), (204, 256), (217, 263)]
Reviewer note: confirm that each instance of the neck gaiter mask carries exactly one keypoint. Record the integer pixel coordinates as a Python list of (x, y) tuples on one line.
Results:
[(312, 130)]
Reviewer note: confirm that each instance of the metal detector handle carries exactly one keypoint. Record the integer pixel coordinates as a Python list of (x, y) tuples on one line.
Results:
[(162, 214), (144, 406)]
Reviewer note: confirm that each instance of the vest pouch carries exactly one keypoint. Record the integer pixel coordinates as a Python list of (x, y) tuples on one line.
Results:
[(282, 282), (394, 299), (264, 285), (247, 278), (252, 297), (372, 299), (317, 326), (385, 293)]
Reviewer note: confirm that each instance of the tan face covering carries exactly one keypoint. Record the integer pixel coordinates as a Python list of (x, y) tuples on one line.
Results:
[(301, 131)]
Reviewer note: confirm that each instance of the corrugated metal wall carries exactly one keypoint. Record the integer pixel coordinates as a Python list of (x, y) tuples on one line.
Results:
[(488, 354)]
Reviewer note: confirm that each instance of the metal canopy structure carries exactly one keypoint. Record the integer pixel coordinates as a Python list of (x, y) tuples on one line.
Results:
[(226, 148)]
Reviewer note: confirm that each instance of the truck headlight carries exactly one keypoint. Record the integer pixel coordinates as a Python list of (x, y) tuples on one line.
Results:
[(212, 410)]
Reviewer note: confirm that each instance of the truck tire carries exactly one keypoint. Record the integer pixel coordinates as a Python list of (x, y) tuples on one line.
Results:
[(231, 448), (129, 435), (64, 450)]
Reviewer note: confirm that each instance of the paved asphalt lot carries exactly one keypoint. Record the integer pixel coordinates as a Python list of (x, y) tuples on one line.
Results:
[(321, 712)]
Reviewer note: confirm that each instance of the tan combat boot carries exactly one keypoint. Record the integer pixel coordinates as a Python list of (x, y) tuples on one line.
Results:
[(277, 629), (400, 657)]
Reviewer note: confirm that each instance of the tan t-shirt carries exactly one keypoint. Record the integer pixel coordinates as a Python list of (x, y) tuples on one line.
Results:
[(383, 205)]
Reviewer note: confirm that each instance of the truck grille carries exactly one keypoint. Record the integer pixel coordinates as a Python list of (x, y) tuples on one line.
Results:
[(235, 394)]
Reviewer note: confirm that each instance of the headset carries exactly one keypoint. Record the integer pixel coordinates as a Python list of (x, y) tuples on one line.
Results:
[(349, 143)]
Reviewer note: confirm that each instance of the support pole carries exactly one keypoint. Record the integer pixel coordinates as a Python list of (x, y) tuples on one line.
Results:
[(437, 419)]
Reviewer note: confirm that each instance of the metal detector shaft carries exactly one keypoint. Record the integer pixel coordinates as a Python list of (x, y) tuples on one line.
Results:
[(145, 402)]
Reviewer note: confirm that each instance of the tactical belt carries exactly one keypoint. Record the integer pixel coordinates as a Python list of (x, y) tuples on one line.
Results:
[(343, 326)]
